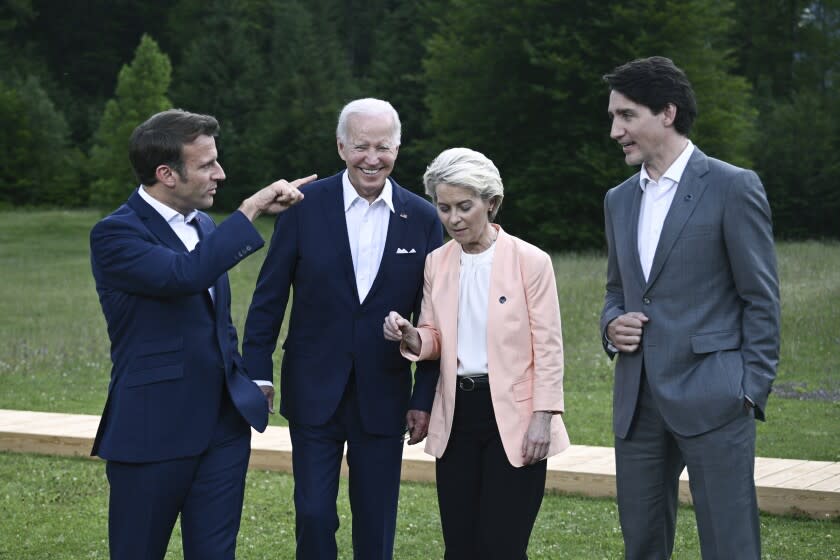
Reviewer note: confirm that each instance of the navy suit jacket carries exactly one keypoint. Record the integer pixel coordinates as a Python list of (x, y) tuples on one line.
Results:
[(712, 298), (330, 332), (173, 350)]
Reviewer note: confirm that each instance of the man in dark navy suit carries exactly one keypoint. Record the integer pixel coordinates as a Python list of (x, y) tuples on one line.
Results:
[(176, 426), (353, 251)]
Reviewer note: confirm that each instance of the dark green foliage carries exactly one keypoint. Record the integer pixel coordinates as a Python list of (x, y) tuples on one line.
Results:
[(791, 56), (520, 81), (800, 167), (37, 163), (274, 75), (141, 92)]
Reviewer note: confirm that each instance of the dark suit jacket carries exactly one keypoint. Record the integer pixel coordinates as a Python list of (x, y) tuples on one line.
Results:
[(712, 298), (173, 350), (330, 332)]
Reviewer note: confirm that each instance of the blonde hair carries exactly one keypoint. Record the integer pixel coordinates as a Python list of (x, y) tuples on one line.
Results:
[(469, 169)]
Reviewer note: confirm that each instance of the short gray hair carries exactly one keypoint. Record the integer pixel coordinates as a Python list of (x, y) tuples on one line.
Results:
[(462, 167), (368, 106)]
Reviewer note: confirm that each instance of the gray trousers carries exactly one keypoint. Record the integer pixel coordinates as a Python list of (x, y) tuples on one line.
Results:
[(721, 474)]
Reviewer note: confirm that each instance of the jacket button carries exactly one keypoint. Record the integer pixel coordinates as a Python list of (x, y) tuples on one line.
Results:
[(646, 301)]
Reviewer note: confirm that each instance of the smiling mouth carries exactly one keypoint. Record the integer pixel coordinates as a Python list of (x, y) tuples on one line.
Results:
[(370, 172)]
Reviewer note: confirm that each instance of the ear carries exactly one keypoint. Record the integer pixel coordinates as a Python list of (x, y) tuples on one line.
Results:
[(669, 114), (340, 146), (165, 175)]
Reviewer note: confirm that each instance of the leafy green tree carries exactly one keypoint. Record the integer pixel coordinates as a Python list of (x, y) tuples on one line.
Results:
[(275, 75), (294, 131), (521, 81), (38, 166), (141, 92), (224, 73), (800, 167), (396, 74), (790, 55)]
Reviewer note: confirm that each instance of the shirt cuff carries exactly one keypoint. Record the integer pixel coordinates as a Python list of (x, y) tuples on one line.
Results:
[(263, 383)]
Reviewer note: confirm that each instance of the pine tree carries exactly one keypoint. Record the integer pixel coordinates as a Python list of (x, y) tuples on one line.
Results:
[(140, 92)]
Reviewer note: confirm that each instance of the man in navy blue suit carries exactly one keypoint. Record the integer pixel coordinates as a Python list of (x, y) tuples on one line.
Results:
[(176, 426), (353, 251)]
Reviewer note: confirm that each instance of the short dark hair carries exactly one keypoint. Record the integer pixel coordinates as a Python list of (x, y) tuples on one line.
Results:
[(654, 82), (160, 141)]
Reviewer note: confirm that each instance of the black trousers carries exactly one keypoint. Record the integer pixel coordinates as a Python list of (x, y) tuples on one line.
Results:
[(487, 506)]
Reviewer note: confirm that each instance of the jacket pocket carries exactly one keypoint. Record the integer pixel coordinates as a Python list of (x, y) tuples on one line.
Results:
[(706, 343), (154, 375), (523, 390), (154, 354)]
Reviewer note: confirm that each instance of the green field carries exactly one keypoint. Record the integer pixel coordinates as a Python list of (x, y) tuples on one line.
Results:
[(54, 357)]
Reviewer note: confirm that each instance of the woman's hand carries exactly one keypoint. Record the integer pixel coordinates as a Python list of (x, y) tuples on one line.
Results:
[(398, 329), (537, 438)]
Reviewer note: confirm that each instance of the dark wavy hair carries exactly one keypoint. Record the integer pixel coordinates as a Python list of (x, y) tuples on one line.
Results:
[(160, 141), (654, 82)]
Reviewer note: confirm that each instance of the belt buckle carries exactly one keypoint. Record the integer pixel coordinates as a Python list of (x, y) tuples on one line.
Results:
[(464, 386)]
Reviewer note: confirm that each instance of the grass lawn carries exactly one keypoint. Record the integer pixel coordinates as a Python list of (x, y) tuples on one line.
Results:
[(59, 511), (54, 357)]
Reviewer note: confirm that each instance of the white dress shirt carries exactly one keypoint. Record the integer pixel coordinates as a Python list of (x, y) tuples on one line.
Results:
[(473, 299), (367, 229), (179, 223), (656, 201)]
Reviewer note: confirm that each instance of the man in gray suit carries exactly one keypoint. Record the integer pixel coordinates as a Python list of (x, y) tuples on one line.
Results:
[(692, 311)]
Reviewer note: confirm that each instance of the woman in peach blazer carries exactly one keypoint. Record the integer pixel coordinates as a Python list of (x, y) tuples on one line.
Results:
[(490, 313)]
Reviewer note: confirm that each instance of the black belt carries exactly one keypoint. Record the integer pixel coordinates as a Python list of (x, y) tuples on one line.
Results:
[(473, 382)]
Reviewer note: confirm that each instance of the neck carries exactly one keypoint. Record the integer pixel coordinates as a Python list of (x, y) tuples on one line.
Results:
[(667, 156), (487, 239)]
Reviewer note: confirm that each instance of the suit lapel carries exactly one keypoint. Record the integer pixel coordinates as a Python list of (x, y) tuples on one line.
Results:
[(334, 215), (155, 222), (688, 194), (632, 235), (221, 286), (448, 300)]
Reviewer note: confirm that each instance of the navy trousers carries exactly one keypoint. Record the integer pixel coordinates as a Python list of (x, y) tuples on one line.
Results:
[(206, 490), (374, 463)]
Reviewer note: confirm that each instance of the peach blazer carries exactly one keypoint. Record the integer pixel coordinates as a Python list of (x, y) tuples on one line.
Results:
[(524, 342)]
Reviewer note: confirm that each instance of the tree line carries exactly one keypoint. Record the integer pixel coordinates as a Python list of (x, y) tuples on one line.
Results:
[(518, 80)]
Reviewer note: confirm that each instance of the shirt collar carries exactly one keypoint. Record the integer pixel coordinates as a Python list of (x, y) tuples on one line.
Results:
[(171, 215), (350, 194), (674, 172)]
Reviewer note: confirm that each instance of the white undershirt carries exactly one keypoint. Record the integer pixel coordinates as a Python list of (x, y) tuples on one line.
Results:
[(367, 230), (473, 299), (657, 197)]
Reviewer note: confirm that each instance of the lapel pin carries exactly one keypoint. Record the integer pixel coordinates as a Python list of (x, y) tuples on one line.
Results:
[(403, 215)]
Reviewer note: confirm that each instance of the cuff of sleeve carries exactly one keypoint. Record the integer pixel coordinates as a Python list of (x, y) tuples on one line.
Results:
[(263, 383)]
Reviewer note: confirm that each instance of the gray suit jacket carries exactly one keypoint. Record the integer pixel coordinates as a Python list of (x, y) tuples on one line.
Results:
[(712, 298)]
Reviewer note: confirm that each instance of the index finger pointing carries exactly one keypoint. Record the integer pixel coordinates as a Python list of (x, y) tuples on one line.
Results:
[(297, 183)]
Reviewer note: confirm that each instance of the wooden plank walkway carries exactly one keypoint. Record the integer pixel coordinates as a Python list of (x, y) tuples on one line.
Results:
[(784, 486)]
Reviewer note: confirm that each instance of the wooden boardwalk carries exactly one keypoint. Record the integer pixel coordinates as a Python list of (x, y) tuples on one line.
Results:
[(784, 486)]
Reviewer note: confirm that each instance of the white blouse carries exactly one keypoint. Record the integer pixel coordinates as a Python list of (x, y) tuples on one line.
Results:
[(473, 297)]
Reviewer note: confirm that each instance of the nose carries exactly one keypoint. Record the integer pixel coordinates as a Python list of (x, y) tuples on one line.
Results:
[(371, 156), (616, 131), (219, 173)]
